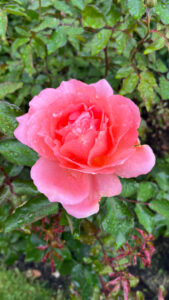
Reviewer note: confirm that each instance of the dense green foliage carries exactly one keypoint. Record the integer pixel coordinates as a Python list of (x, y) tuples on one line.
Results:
[(15, 286), (44, 42)]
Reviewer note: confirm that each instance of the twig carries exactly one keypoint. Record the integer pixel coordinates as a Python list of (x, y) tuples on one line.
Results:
[(40, 9), (7, 179), (106, 62), (133, 201)]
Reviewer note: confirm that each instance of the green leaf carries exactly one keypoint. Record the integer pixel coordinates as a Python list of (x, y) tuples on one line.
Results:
[(164, 88), (62, 6), (120, 42), (78, 3), (8, 114), (129, 187), (118, 220), (129, 84), (22, 187), (100, 41), (159, 66), (113, 15), (26, 53), (146, 88), (3, 24), (32, 211), (8, 88), (145, 217), (92, 17), (23, 31), (146, 191), (162, 10), (5, 193), (160, 206), (17, 153), (162, 179), (39, 47), (124, 72), (136, 8), (18, 43), (16, 10), (156, 45), (57, 40), (48, 22)]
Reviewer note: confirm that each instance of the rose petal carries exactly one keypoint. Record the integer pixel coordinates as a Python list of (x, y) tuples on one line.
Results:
[(73, 148), (60, 184), (107, 185), (45, 98), (82, 92), (21, 131), (103, 88), (139, 163), (86, 208)]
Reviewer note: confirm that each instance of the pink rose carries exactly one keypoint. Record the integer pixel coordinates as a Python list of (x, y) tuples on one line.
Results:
[(85, 137)]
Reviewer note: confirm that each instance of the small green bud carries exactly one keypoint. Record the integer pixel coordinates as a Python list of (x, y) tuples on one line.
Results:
[(151, 3)]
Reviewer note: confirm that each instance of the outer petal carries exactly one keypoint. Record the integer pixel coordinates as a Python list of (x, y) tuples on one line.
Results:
[(45, 98), (107, 184), (100, 185), (60, 184), (103, 88), (86, 208), (139, 163), (21, 131)]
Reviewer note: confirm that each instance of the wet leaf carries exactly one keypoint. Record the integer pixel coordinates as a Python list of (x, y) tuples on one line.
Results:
[(26, 53), (118, 220), (160, 206), (8, 114), (32, 211), (8, 88), (164, 88), (146, 191), (162, 10), (3, 24), (145, 217), (78, 3), (129, 84), (22, 187), (48, 22), (113, 16), (100, 41), (136, 8), (156, 45), (62, 6), (124, 72), (92, 17), (17, 153), (57, 40), (146, 88)]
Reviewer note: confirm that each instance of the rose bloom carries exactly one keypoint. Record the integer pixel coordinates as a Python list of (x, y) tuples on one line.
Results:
[(85, 137)]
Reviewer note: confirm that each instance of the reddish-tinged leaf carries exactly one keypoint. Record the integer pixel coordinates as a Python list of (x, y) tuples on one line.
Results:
[(45, 257), (113, 282), (161, 293), (116, 288), (52, 264), (126, 288), (42, 247)]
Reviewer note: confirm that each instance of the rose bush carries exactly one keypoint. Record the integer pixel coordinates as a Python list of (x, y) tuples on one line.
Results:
[(86, 137)]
